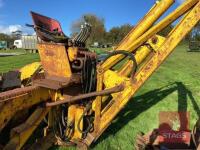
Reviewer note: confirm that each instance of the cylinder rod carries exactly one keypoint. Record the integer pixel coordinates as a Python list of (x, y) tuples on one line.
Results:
[(149, 19), (83, 96)]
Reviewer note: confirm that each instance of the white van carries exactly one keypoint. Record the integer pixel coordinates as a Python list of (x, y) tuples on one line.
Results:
[(18, 43)]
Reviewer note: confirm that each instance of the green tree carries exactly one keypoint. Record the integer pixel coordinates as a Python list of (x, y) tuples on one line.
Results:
[(98, 28), (16, 34), (8, 38), (116, 34)]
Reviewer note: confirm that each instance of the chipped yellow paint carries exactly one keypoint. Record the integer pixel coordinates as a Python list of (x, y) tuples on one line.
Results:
[(29, 70), (54, 60)]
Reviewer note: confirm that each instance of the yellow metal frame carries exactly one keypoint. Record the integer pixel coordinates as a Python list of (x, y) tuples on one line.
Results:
[(13, 103), (20, 134), (161, 50)]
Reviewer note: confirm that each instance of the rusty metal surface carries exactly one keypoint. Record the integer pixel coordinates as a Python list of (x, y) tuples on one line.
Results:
[(147, 141), (12, 94), (21, 133), (13, 101), (78, 63), (10, 80), (87, 53), (196, 134), (55, 83), (151, 140), (51, 84), (89, 139), (82, 146), (140, 143), (43, 144), (83, 96), (54, 60)]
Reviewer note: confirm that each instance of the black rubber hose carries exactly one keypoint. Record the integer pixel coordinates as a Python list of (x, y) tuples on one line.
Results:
[(63, 115), (62, 136), (84, 76), (87, 75), (89, 85), (88, 107), (94, 78), (91, 76), (126, 54)]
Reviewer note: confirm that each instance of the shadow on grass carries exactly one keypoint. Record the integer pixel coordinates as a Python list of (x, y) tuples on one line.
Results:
[(183, 96), (193, 51), (145, 101)]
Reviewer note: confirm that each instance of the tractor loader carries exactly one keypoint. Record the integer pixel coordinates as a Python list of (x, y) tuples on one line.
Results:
[(69, 95)]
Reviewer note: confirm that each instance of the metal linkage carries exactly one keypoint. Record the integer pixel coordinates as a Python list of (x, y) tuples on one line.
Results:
[(75, 99), (20, 99), (83, 35)]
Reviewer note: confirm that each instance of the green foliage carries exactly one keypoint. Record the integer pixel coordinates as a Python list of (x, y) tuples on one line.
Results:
[(5, 37), (116, 34), (99, 34), (16, 62), (100, 50), (9, 38), (98, 27)]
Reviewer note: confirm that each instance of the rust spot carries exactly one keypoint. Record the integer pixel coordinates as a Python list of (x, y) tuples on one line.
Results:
[(12, 94), (154, 40), (49, 53), (5, 120)]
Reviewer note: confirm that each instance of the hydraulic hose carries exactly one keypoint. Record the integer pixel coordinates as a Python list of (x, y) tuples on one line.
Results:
[(126, 54)]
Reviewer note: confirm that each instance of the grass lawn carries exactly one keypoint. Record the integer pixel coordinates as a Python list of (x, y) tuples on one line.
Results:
[(175, 86), (100, 50), (13, 51), (14, 62)]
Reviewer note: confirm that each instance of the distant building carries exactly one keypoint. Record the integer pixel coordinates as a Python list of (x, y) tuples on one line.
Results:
[(3, 45), (27, 42), (100, 45)]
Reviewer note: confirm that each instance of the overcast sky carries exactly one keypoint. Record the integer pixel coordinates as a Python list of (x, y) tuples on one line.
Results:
[(14, 14)]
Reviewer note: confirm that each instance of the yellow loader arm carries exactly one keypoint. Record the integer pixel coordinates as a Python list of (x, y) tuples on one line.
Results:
[(142, 42)]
